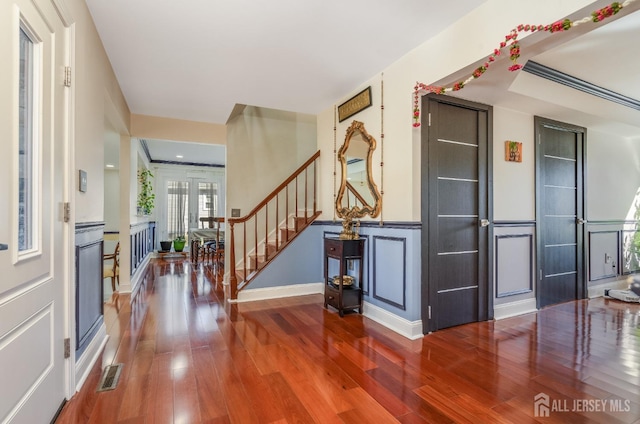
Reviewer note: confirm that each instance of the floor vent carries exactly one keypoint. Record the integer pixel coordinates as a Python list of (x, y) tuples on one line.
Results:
[(110, 377)]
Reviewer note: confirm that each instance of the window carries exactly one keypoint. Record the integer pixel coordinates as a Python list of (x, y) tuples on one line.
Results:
[(26, 144), (207, 200)]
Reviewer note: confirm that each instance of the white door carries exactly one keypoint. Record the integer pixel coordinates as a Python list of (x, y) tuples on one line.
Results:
[(32, 135)]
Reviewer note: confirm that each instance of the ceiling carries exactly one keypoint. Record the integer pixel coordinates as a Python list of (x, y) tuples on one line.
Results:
[(197, 59)]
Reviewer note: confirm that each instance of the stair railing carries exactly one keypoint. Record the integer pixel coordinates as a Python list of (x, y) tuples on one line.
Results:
[(260, 228)]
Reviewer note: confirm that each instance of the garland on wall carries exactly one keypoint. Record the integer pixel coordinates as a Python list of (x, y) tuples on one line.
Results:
[(335, 158), (381, 145), (511, 40)]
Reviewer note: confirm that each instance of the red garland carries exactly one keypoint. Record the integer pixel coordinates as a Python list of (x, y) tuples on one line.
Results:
[(514, 54)]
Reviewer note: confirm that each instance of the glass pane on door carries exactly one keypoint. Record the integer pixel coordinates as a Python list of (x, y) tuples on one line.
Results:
[(207, 202), (177, 209)]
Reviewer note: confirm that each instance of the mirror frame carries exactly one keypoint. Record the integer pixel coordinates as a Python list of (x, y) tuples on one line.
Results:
[(357, 211)]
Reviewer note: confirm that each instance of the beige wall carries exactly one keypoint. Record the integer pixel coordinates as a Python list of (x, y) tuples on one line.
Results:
[(97, 99), (470, 39), (264, 147), (144, 126)]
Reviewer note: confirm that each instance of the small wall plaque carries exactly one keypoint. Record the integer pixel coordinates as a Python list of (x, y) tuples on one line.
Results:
[(359, 102), (512, 151), (82, 180)]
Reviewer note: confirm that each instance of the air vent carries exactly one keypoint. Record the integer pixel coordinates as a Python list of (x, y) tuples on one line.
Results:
[(110, 377)]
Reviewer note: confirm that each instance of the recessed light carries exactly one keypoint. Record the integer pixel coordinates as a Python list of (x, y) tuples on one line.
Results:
[(110, 165), (179, 156)]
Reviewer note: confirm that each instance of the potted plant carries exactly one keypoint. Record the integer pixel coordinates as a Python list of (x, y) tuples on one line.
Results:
[(145, 196), (178, 243)]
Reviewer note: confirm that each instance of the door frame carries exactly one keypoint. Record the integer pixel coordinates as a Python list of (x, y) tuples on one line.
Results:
[(485, 295), (193, 175), (581, 249)]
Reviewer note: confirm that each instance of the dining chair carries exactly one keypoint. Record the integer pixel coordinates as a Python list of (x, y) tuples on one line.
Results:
[(112, 271)]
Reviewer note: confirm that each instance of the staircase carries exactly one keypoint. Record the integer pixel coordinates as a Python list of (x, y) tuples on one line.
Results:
[(258, 237)]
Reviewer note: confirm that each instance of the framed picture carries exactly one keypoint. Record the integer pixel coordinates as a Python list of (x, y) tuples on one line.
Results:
[(512, 151), (357, 103)]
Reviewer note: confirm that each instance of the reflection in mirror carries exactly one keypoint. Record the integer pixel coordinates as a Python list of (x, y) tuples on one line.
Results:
[(358, 195)]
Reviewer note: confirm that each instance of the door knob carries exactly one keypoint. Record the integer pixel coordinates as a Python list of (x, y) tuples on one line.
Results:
[(4, 246), (484, 222), (581, 221)]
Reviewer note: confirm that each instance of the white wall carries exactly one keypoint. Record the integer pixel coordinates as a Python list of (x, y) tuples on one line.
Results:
[(111, 200), (613, 175), (513, 182)]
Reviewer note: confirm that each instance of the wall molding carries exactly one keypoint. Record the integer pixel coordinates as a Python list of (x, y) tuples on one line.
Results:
[(530, 273), (85, 363), (396, 225), (514, 223), (265, 293), (391, 302), (554, 75), (84, 227), (614, 222), (410, 329), (513, 309), (617, 254)]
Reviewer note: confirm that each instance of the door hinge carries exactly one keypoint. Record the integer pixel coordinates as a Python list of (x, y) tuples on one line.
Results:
[(429, 311), (67, 211), (67, 348), (540, 274), (429, 116), (67, 76)]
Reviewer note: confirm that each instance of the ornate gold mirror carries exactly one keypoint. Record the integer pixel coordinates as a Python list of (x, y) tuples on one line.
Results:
[(358, 195)]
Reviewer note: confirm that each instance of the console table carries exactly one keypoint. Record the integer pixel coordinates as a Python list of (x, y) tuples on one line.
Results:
[(337, 294)]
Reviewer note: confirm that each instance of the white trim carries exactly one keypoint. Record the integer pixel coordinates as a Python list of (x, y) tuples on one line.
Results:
[(90, 356), (250, 295), (63, 12), (598, 291), (136, 278), (409, 329), (513, 309)]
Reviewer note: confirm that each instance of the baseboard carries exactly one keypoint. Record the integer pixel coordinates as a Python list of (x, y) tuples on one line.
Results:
[(409, 329), (598, 290), (135, 278), (86, 361), (513, 309), (250, 295)]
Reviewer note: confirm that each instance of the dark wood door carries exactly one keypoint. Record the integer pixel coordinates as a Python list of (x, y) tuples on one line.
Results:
[(455, 212), (560, 211)]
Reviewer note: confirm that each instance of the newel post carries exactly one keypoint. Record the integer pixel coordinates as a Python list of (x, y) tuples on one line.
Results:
[(233, 279)]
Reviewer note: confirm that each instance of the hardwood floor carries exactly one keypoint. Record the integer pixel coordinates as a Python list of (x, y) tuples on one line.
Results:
[(189, 358)]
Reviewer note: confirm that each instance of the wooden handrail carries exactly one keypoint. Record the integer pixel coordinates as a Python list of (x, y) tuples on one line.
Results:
[(275, 192), (263, 207)]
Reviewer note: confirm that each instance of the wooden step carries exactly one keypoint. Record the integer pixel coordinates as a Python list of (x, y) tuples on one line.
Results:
[(256, 262), (287, 234), (299, 222)]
